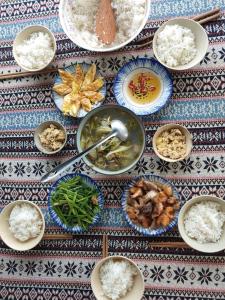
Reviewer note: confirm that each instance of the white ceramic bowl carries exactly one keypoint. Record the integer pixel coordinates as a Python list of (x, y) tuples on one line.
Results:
[(184, 131), (23, 35), (207, 247), (137, 291), (201, 40), (40, 129), (68, 29), (7, 236)]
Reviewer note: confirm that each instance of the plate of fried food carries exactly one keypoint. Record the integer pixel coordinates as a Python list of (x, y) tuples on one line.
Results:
[(151, 205), (78, 89)]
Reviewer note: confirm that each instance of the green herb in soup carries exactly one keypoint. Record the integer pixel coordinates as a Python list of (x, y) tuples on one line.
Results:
[(114, 154)]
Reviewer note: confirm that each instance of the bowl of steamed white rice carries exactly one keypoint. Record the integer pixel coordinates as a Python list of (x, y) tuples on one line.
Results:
[(34, 48), (78, 19), (117, 278), (22, 225), (180, 44), (201, 223)]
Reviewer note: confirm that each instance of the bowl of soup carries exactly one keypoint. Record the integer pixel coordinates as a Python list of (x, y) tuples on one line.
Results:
[(114, 156)]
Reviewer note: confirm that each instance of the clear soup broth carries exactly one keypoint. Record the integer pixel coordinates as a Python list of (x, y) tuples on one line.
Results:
[(114, 154)]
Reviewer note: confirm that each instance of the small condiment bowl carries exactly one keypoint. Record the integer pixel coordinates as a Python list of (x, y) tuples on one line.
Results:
[(127, 73), (8, 237), (201, 41), (137, 291), (40, 129), (207, 247), (184, 131), (23, 35)]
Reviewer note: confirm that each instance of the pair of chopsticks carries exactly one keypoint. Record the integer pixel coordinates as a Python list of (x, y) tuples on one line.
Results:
[(201, 19), (26, 73), (105, 246)]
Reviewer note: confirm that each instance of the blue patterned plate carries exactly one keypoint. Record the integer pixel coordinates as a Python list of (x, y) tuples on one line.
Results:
[(148, 231), (133, 67), (59, 99), (54, 216)]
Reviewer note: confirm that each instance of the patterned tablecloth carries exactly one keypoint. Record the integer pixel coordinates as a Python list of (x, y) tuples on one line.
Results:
[(60, 269)]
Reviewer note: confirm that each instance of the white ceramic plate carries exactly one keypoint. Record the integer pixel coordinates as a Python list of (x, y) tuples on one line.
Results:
[(59, 99)]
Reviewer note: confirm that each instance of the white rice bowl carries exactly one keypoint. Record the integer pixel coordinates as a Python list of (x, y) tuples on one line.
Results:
[(77, 18)]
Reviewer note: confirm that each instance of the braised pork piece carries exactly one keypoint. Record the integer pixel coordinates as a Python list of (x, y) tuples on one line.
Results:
[(151, 204)]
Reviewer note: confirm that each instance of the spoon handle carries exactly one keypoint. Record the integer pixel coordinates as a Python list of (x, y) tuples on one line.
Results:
[(66, 164)]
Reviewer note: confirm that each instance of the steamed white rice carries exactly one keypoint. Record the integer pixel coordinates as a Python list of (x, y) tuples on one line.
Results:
[(81, 19), (25, 222), (204, 222), (176, 45), (117, 278)]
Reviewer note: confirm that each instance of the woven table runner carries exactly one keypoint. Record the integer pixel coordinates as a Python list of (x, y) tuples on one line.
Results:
[(60, 269)]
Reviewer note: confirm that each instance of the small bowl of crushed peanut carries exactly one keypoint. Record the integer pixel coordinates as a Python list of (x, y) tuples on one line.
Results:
[(172, 142), (50, 137)]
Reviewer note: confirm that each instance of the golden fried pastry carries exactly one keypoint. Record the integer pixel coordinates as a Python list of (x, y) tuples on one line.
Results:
[(93, 96), (89, 77), (79, 90), (93, 86), (62, 89), (66, 77), (86, 104)]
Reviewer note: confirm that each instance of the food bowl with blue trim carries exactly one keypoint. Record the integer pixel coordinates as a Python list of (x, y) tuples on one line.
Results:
[(75, 207), (58, 99), (143, 85), (151, 230)]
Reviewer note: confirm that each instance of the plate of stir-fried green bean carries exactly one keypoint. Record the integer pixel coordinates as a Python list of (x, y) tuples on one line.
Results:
[(75, 202)]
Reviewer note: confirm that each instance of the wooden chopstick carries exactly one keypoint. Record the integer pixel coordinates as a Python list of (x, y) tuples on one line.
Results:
[(206, 14), (26, 73), (58, 236), (201, 19), (105, 246), (169, 245)]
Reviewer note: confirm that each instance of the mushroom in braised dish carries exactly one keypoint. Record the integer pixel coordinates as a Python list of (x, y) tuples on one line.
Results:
[(151, 204)]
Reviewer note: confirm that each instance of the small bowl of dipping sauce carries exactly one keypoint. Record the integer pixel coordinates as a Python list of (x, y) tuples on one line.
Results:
[(50, 137), (117, 277), (172, 142), (34, 48), (143, 86), (201, 223), (22, 225)]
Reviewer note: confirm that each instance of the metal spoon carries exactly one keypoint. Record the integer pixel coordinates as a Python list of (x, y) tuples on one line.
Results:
[(118, 129)]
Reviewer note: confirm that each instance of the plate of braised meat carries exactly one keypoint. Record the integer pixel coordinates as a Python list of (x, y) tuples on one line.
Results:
[(151, 205)]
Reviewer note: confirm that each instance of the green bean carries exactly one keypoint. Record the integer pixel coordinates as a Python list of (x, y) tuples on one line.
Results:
[(72, 202)]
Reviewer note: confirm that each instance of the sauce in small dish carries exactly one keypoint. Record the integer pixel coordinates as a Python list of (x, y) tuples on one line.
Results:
[(144, 87)]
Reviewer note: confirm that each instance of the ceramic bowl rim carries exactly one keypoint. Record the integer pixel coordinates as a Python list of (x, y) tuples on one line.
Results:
[(96, 49), (84, 121), (11, 205), (180, 67), (36, 138), (171, 126), (185, 207), (152, 60), (54, 216), (142, 230), (42, 29), (119, 257)]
